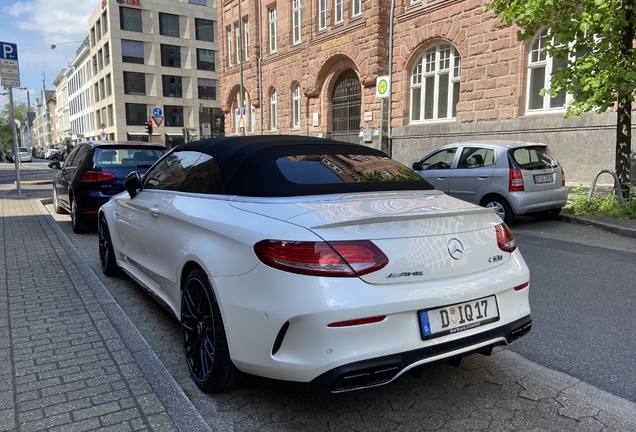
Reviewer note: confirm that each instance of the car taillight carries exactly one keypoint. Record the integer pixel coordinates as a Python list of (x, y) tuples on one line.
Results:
[(95, 176), (505, 240), (562, 177), (516, 180), (333, 259)]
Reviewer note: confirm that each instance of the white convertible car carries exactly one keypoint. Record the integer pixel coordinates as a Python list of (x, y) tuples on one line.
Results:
[(310, 260)]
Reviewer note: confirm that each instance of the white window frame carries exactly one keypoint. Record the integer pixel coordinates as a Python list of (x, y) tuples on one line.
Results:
[(229, 46), (273, 110), (296, 107), (537, 60), (273, 29), (237, 32), (356, 8), (322, 14), (338, 16), (297, 19), (437, 63), (246, 38)]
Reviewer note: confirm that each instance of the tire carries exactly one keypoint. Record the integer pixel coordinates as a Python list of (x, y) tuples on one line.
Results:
[(78, 224), (503, 208), (549, 214), (106, 252), (56, 203), (204, 341)]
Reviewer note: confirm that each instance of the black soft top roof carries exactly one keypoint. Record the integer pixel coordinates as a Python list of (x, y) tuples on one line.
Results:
[(248, 164)]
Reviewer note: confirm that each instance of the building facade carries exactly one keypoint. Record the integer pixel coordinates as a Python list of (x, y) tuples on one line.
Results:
[(154, 61), (455, 73), (62, 115)]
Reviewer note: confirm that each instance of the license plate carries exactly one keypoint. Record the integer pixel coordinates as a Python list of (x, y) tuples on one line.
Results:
[(540, 179), (458, 317)]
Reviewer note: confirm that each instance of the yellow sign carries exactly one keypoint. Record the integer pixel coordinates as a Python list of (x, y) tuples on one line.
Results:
[(336, 42), (382, 87)]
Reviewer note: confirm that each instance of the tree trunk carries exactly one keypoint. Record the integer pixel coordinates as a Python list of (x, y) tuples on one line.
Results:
[(624, 111)]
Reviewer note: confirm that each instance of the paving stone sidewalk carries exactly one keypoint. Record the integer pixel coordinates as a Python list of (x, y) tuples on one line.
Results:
[(70, 358)]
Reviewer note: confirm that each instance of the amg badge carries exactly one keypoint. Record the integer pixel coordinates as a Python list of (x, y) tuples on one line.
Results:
[(405, 274)]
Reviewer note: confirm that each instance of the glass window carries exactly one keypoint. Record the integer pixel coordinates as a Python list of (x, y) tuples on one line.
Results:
[(246, 39), (339, 11), (322, 14), (109, 86), (168, 24), (272, 110), (238, 43), (172, 86), (170, 55), (476, 157), (356, 8), (540, 67), (106, 53), (132, 51), (136, 114), (207, 89), (535, 157), (337, 168), (204, 30), (173, 115), (229, 46), (134, 83), (443, 159), (205, 59), (130, 19), (204, 177), (199, 2), (297, 8), (171, 171), (435, 84), (296, 107), (273, 28), (113, 157), (105, 22)]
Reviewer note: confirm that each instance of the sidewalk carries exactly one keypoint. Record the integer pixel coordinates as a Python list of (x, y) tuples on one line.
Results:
[(72, 360)]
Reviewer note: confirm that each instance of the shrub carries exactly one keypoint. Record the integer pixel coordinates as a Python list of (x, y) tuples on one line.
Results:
[(601, 205)]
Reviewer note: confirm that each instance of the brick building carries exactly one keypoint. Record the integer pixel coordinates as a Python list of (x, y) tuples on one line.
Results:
[(310, 67)]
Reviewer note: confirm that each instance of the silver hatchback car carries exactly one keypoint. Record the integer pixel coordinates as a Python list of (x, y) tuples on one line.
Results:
[(515, 177)]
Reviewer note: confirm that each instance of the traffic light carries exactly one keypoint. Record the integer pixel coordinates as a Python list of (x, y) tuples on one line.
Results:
[(149, 128)]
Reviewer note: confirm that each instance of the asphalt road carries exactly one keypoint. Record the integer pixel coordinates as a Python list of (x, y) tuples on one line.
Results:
[(583, 283), (30, 172)]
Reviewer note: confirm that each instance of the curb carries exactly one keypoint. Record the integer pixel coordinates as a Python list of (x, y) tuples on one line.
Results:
[(34, 182), (623, 231)]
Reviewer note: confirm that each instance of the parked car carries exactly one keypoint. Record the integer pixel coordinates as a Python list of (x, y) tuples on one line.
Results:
[(52, 154), (311, 260), (25, 154), (514, 177), (93, 173)]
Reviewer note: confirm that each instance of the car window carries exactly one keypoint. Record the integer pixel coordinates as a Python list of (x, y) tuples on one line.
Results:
[(204, 177), (82, 151), (443, 159), (338, 168), (170, 172), (71, 158), (536, 157), (113, 157), (476, 157)]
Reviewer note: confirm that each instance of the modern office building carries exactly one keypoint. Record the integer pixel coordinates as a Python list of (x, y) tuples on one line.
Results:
[(150, 60), (452, 72)]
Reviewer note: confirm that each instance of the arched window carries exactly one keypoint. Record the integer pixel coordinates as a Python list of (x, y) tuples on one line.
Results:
[(296, 107), (272, 110), (540, 67), (435, 84)]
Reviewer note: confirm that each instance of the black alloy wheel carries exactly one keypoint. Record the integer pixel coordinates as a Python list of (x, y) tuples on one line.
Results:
[(78, 224), (56, 203), (106, 251), (204, 341)]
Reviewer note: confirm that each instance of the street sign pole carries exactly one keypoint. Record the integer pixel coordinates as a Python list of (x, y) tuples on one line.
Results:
[(16, 152)]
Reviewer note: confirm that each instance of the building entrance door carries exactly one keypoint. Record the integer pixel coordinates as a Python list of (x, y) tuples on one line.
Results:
[(346, 102)]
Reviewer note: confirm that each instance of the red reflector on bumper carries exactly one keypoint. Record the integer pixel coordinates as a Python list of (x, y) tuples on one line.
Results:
[(356, 322), (522, 286)]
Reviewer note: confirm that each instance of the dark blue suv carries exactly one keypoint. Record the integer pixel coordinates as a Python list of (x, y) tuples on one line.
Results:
[(95, 171)]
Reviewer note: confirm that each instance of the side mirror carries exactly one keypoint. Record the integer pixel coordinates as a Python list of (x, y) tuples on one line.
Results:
[(417, 166), (54, 165), (132, 183)]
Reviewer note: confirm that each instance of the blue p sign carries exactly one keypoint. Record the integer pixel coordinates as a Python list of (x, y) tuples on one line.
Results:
[(9, 51)]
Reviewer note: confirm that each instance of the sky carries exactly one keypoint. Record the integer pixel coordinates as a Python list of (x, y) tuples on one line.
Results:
[(35, 26)]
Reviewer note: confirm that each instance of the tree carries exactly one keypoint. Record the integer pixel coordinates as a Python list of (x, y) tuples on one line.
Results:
[(19, 112), (595, 38)]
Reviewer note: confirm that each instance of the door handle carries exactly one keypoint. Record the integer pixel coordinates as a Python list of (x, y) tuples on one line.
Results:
[(441, 178), (155, 210), (482, 177)]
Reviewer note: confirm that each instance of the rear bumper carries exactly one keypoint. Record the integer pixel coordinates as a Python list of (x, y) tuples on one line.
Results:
[(382, 370), (530, 202)]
